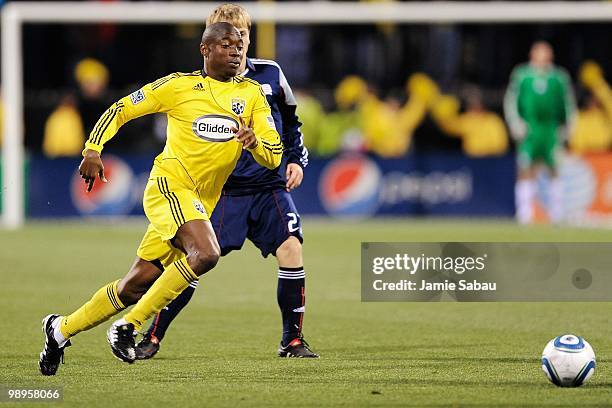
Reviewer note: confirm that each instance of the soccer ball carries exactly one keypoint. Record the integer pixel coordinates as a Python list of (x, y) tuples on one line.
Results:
[(568, 361)]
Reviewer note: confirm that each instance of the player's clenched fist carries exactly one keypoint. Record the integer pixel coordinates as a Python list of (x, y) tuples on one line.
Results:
[(245, 135), (91, 167)]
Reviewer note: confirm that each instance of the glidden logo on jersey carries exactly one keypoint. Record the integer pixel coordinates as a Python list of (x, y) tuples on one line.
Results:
[(215, 128), (350, 187)]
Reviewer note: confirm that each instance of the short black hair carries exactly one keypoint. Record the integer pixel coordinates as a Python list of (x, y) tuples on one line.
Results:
[(216, 31)]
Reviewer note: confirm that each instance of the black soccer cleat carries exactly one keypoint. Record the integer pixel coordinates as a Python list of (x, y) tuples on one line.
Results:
[(297, 348), (147, 347), (121, 339), (52, 353)]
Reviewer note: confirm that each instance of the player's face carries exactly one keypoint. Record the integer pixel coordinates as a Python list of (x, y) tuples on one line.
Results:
[(223, 57), (246, 40), (541, 55)]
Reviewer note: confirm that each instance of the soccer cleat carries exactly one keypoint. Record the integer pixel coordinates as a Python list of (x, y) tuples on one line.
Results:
[(297, 348), (147, 347), (121, 339), (52, 354)]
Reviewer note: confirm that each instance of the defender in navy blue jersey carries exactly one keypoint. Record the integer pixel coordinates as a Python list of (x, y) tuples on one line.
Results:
[(256, 205)]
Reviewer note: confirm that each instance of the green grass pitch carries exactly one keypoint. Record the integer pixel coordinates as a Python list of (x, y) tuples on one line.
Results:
[(221, 350)]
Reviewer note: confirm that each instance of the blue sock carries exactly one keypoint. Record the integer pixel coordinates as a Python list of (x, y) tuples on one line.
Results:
[(291, 300)]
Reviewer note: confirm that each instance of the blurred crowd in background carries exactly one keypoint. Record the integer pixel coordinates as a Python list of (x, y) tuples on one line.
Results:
[(386, 89)]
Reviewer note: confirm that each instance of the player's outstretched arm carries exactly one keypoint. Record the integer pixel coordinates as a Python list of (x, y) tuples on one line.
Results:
[(154, 97), (151, 98)]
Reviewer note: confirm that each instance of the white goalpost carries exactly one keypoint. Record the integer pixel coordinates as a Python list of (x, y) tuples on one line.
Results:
[(14, 15)]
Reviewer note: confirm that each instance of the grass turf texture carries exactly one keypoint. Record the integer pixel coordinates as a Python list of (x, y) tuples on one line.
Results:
[(221, 349)]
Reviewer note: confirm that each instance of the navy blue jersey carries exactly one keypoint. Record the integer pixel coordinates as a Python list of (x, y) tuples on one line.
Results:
[(248, 176)]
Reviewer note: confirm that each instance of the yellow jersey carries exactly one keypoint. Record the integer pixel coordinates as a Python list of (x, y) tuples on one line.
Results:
[(200, 150)]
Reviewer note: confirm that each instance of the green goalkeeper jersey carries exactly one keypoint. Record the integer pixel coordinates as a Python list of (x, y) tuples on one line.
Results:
[(537, 103), (538, 97)]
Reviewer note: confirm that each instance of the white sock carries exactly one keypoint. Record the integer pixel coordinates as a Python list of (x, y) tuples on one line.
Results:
[(524, 192), (57, 333), (556, 200)]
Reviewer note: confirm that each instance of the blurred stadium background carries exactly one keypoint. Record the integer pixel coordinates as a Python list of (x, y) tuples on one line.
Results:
[(401, 119)]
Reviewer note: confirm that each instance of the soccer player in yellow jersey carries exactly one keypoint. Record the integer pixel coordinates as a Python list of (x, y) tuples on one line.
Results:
[(212, 116)]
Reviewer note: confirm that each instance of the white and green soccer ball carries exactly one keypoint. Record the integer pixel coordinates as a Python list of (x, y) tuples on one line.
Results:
[(568, 361)]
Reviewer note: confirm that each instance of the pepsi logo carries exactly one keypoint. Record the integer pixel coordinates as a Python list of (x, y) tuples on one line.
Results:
[(350, 187), (113, 198)]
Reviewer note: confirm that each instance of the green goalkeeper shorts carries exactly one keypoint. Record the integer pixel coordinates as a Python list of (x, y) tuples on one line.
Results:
[(541, 145)]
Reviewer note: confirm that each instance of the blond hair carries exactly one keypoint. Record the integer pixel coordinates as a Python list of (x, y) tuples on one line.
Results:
[(230, 13)]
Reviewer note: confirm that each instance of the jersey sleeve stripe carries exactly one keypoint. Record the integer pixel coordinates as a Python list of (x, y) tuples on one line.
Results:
[(106, 122), (271, 144), (99, 124), (101, 130), (273, 147), (275, 151), (118, 108), (162, 81), (289, 98)]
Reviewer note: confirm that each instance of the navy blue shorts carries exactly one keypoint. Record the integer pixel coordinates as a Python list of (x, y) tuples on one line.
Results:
[(267, 219)]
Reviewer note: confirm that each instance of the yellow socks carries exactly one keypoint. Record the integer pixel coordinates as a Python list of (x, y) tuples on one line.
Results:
[(104, 304), (166, 288)]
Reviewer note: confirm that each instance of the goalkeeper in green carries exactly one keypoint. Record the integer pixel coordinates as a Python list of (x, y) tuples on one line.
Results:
[(539, 106)]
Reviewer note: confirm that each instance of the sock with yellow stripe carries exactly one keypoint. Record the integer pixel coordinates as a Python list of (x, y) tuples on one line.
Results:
[(103, 305), (166, 288)]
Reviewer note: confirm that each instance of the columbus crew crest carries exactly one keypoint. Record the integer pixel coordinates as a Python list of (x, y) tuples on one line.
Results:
[(238, 106)]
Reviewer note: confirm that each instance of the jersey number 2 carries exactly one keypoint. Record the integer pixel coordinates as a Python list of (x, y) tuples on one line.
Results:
[(293, 224)]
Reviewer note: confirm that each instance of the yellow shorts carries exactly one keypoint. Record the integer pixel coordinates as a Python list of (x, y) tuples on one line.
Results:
[(167, 205)]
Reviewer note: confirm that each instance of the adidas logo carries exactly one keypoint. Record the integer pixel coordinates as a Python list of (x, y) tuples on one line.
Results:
[(198, 87)]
